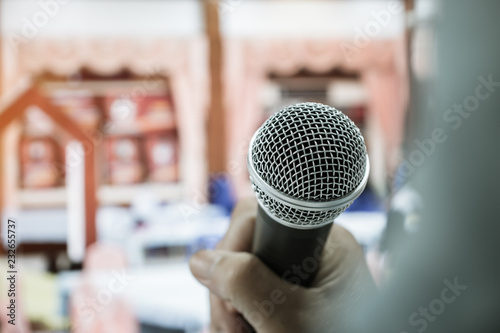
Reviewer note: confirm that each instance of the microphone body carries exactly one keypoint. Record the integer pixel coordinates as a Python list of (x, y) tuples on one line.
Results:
[(293, 254), (307, 164)]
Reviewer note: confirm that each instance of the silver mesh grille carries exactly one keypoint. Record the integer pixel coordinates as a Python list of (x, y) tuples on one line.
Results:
[(309, 152), (293, 215)]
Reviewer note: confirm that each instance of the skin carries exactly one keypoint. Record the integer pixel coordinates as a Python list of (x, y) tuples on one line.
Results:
[(241, 286)]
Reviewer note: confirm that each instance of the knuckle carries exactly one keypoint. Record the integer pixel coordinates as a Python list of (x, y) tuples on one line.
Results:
[(245, 209), (228, 274), (249, 265), (237, 274), (215, 301)]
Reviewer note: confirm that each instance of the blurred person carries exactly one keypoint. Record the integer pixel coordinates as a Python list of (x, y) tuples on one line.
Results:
[(446, 279)]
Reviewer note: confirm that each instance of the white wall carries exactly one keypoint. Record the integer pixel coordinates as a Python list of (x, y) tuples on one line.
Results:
[(244, 18), (110, 18), (307, 18)]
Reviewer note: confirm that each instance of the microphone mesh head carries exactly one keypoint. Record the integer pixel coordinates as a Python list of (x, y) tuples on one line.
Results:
[(310, 152)]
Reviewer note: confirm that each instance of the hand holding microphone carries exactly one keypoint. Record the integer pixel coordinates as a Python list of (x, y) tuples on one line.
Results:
[(307, 164)]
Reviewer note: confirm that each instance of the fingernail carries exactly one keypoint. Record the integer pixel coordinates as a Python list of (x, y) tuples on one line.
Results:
[(201, 265)]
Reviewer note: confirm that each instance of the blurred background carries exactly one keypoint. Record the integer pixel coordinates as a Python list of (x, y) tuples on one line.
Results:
[(125, 124)]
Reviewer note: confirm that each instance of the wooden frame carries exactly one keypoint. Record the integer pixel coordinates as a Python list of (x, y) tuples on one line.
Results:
[(17, 108), (216, 115)]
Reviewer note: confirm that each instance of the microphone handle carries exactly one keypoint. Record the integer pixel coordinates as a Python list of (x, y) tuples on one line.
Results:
[(293, 254)]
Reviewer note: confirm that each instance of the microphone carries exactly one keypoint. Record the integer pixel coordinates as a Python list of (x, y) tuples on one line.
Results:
[(307, 163)]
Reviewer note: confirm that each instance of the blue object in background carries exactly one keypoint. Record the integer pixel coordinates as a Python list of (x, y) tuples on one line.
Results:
[(221, 192), (366, 202)]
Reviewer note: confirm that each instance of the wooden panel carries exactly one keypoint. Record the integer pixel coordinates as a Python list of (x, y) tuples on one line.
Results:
[(59, 117), (72, 128), (1, 61), (1, 133), (16, 109), (90, 199), (216, 117)]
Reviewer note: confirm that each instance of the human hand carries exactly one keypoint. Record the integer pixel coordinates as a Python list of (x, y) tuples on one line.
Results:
[(242, 286)]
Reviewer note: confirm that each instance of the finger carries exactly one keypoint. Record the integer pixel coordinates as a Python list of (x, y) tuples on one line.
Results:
[(222, 320), (224, 317), (343, 259), (240, 233), (242, 279)]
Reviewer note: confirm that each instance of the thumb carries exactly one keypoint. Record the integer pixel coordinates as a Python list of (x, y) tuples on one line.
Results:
[(243, 280)]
